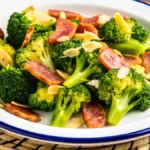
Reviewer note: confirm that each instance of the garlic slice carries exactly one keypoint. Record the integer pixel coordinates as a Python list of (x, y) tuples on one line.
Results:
[(72, 52), (63, 39), (53, 89), (88, 36), (91, 46), (103, 19), (123, 72), (94, 83), (5, 58), (75, 123), (62, 74), (20, 105)]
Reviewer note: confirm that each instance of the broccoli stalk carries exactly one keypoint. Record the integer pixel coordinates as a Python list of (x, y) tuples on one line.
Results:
[(86, 65), (120, 107), (69, 101), (124, 94)]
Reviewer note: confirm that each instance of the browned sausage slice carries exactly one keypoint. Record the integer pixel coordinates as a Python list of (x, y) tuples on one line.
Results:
[(132, 59), (28, 36), (111, 60), (87, 27), (63, 28), (1, 34), (93, 115), (24, 113), (146, 61), (70, 15), (43, 73)]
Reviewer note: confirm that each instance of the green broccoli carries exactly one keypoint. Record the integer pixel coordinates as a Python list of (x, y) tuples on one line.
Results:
[(16, 85), (125, 35), (69, 101), (19, 23), (61, 62), (41, 99), (6, 54), (38, 49), (87, 65), (124, 94)]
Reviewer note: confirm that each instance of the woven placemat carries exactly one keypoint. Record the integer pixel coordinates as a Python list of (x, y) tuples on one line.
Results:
[(11, 141)]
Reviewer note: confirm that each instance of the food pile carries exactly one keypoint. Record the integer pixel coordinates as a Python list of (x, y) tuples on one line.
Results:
[(62, 62)]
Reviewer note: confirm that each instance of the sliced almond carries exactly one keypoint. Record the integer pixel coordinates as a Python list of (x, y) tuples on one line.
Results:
[(5, 58), (1, 105), (103, 19), (147, 76), (53, 89), (79, 36), (91, 46), (123, 72), (20, 105), (75, 123), (63, 39), (63, 74), (62, 15), (30, 8), (94, 83), (72, 52), (88, 36)]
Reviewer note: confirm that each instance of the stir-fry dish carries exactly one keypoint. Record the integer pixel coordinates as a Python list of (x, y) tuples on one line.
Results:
[(61, 62)]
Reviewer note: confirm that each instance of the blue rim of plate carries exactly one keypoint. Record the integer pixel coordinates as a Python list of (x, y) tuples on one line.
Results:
[(143, 2), (74, 140)]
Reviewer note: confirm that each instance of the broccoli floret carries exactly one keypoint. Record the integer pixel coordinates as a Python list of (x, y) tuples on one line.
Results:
[(138, 32), (15, 85), (6, 54), (87, 65), (19, 23), (65, 64), (38, 49), (125, 35), (125, 94), (41, 99), (69, 101)]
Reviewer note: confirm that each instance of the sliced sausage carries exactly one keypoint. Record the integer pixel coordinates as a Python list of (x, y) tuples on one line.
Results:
[(28, 36), (1, 34), (111, 60), (43, 73), (87, 27), (132, 59), (93, 115), (70, 15), (146, 61), (97, 20), (24, 113), (63, 28)]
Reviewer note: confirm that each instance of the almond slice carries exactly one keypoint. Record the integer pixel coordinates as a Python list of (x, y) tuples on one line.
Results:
[(62, 74), (91, 46), (123, 72), (103, 19), (94, 83), (1, 105), (53, 89), (72, 52), (62, 15), (63, 39), (88, 36), (75, 123), (20, 105)]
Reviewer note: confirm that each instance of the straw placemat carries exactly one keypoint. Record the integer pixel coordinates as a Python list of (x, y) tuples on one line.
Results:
[(11, 141)]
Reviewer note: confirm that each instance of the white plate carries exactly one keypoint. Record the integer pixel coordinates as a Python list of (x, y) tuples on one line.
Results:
[(134, 125)]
